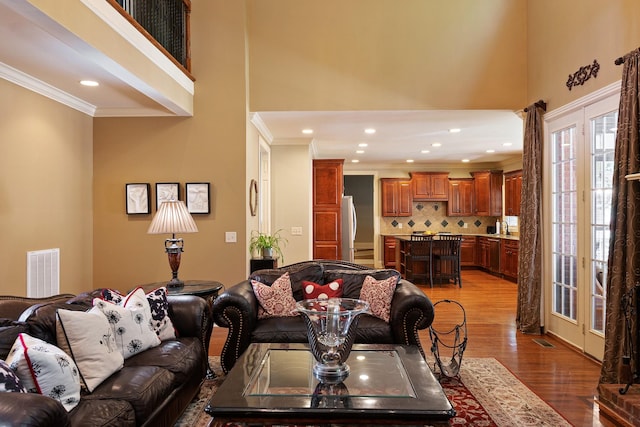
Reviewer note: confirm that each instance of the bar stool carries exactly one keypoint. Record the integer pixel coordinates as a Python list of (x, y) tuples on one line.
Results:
[(447, 258), (420, 252)]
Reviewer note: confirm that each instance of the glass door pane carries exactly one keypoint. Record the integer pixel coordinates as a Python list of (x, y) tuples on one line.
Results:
[(603, 138), (564, 222)]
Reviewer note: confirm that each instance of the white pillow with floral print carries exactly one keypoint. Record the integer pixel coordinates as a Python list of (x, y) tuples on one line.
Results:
[(88, 338), (45, 369), (158, 305), (132, 326)]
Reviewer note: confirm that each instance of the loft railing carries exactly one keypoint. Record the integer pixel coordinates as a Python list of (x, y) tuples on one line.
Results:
[(165, 23)]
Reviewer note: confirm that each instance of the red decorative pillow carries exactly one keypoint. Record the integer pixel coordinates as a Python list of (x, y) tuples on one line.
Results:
[(379, 293), (314, 290), (275, 300)]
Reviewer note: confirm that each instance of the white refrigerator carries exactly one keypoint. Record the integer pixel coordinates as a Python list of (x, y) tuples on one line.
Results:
[(349, 225)]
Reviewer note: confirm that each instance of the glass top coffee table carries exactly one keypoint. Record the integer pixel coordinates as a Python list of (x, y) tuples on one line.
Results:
[(274, 383)]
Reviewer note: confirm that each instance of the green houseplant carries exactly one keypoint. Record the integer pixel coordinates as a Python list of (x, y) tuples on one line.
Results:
[(267, 244)]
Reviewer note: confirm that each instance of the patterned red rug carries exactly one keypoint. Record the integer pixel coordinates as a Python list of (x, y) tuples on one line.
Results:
[(485, 395), (469, 412)]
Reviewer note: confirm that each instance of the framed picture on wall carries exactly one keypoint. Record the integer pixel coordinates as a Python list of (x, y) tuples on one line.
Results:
[(166, 191), (198, 197), (138, 198)]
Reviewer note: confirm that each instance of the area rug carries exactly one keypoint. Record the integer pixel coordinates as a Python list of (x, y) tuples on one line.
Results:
[(486, 395)]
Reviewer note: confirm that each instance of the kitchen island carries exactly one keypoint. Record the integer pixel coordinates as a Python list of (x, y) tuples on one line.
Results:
[(495, 253)]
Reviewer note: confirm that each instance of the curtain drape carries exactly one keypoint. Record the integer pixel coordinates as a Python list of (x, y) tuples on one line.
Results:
[(623, 268), (530, 258)]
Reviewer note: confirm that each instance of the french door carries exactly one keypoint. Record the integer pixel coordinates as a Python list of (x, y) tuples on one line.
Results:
[(580, 147)]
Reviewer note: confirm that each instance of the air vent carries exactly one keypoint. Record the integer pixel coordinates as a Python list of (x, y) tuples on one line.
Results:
[(543, 343), (43, 273)]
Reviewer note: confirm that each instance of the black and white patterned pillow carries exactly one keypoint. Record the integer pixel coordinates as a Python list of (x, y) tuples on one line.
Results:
[(158, 303), (45, 369), (9, 381), (160, 314)]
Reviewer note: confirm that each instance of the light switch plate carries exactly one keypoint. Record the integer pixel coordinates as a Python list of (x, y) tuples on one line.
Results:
[(230, 237), (296, 231)]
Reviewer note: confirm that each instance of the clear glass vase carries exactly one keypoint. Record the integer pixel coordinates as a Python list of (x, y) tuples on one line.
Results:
[(331, 330)]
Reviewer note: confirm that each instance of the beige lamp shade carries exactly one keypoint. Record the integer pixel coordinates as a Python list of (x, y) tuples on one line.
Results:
[(172, 217)]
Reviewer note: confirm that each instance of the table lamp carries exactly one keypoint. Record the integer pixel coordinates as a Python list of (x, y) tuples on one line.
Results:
[(173, 217)]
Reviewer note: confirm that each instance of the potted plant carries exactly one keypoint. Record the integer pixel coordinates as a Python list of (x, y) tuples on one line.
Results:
[(267, 244)]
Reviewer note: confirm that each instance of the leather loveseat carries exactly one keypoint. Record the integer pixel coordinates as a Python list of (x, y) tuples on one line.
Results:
[(237, 309), (152, 389)]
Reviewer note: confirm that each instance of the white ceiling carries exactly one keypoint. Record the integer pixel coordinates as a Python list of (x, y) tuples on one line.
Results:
[(37, 53), (403, 135)]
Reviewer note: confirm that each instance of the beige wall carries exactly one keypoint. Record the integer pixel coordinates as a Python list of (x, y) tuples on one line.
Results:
[(45, 188), (566, 35), (387, 54), (210, 147), (291, 205)]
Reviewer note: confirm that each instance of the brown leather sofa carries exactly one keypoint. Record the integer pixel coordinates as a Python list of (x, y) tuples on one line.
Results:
[(237, 309), (152, 389)]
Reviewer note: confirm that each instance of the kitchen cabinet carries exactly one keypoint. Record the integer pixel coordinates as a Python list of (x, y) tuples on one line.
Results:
[(468, 251), (512, 192), (488, 193), (327, 206), (488, 256), (396, 197), (461, 197), (482, 252), (390, 252), (430, 186), (510, 252)]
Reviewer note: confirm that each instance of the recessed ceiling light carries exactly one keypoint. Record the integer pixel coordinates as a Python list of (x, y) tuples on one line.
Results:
[(363, 144), (91, 83), (355, 161), (436, 144), (370, 131), (409, 160), (425, 151), (491, 151), (307, 131), (454, 130), (507, 144), (465, 160), (359, 151)]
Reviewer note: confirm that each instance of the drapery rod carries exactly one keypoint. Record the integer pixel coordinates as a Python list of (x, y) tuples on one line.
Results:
[(540, 104), (619, 61)]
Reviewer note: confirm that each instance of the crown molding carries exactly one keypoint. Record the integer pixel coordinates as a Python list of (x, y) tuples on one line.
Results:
[(38, 86), (264, 131)]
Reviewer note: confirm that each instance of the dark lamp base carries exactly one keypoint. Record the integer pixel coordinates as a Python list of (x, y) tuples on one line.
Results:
[(175, 283)]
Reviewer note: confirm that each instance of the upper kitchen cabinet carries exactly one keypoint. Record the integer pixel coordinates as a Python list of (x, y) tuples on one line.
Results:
[(488, 193), (512, 196), (430, 186), (396, 197), (461, 194)]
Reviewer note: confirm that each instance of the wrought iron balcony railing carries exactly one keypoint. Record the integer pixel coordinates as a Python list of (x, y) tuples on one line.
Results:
[(165, 23)]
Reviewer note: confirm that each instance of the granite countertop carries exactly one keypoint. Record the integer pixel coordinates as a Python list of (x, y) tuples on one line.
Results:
[(499, 236)]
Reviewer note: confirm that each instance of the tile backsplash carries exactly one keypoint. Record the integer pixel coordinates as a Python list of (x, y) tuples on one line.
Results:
[(432, 216)]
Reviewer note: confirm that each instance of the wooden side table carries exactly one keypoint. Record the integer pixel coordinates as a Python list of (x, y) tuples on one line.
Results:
[(262, 263), (205, 289)]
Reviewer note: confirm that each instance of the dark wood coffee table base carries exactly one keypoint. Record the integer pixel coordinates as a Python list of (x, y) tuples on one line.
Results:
[(274, 384)]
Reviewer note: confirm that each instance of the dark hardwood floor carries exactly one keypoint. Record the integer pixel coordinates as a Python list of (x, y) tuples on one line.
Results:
[(560, 375)]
